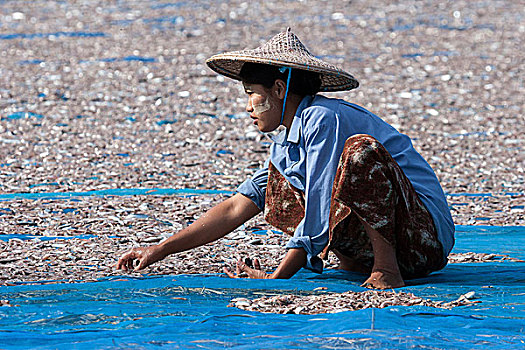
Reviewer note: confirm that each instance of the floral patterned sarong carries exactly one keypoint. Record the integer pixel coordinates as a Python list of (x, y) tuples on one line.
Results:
[(368, 184)]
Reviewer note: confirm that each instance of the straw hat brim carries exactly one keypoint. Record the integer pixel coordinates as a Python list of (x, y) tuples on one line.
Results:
[(332, 78), (284, 50)]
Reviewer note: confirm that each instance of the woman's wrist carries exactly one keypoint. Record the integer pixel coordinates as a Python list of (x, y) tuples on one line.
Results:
[(159, 251)]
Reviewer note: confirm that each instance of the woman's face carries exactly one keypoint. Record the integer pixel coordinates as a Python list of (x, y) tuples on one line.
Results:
[(264, 107)]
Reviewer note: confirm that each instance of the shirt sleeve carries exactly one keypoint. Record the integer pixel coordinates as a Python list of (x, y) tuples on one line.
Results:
[(322, 157), (255, 187)]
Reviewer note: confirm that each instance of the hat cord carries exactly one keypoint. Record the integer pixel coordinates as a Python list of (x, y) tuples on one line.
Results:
[(282, 70)]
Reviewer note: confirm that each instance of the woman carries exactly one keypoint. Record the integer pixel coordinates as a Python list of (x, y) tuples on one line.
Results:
[(338, 178)]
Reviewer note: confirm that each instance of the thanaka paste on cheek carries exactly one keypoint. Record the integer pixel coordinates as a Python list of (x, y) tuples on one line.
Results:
[(262, 107)]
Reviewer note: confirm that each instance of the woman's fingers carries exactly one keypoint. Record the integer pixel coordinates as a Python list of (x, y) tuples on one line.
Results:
[(248, 262), (229, 273), (254, 272), (127, 261), (144, 258), (141, 264), (238, 269), (123, 262), (243, 270), (130, 262)]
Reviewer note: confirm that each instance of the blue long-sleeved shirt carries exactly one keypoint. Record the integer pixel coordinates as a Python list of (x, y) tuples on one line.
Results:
[(307, 155)]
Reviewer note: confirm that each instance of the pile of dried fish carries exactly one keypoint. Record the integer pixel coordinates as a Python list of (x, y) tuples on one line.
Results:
[(340, 302), (136, 217), (93, 258), (84, 107), (470, 257), (488, 209)]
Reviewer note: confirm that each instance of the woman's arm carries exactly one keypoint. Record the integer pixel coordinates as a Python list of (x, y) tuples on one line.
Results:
[(212, 225), (293, 261)]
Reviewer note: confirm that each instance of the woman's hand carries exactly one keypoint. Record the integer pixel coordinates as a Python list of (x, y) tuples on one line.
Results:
[(254, 272), (139, 258), (293, 261)]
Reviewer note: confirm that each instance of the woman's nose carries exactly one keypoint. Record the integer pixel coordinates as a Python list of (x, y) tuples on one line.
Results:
[(249, 106)]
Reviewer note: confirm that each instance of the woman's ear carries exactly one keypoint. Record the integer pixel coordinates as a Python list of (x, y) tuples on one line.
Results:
[(279, 88)]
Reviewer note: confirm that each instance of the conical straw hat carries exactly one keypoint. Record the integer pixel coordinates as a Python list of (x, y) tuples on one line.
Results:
[(284, 50)]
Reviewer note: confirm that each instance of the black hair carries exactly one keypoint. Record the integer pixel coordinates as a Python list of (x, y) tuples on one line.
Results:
[(302, 82)]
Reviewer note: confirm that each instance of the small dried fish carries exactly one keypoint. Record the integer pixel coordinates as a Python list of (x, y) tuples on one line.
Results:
[(340, 302), (470, 257)]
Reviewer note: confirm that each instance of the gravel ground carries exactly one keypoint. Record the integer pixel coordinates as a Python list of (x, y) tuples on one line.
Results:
[(101, 95)]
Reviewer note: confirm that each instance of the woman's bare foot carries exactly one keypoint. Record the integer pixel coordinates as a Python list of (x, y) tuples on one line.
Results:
[(384, 280), (385, 272)]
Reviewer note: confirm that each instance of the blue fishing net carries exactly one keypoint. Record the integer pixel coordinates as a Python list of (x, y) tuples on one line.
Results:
[(190, 311)]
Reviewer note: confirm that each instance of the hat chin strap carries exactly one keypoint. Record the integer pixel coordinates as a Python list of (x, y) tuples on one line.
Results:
[(282, 70)]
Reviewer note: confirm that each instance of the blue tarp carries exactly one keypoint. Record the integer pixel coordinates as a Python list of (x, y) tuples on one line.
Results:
[(190, 311)]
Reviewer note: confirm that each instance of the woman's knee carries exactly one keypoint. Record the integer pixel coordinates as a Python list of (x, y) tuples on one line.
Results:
[(360, 150), (361, 141)]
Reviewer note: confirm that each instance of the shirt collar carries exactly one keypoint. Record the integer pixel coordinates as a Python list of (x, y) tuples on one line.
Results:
[(295, 128)]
